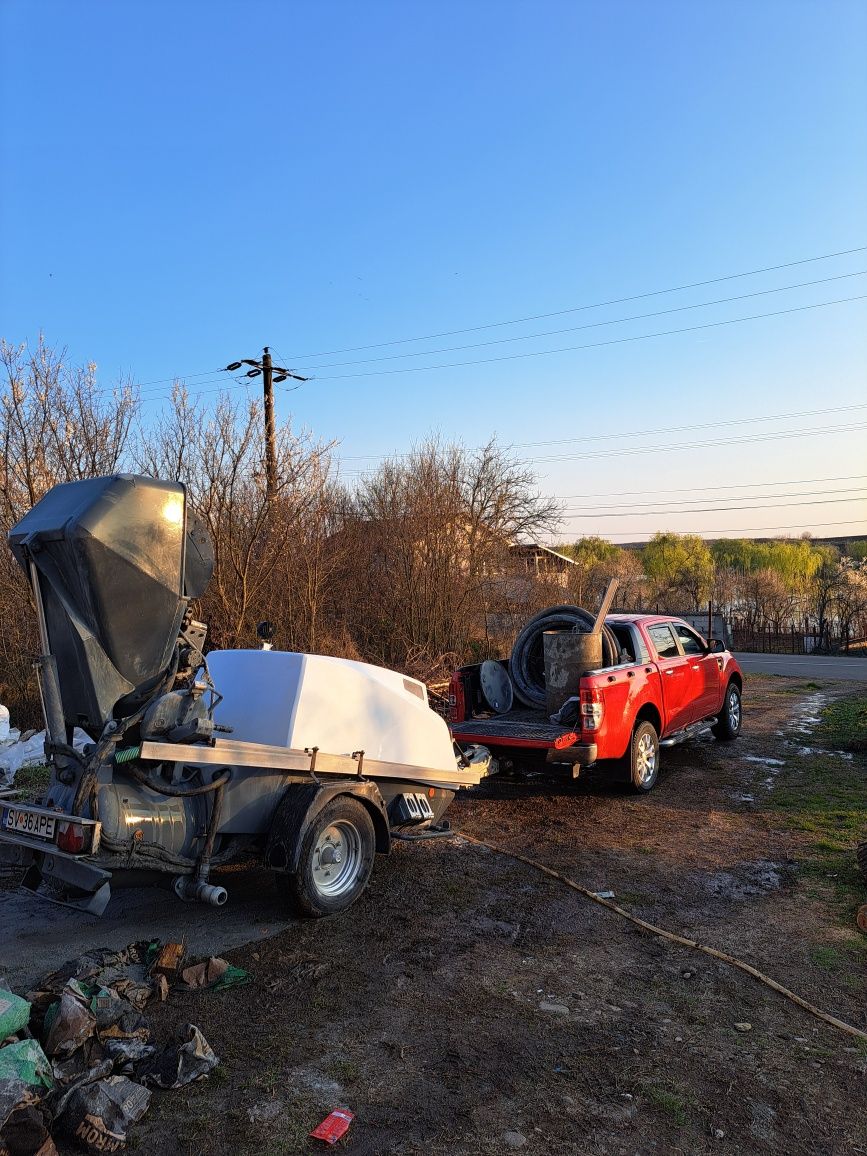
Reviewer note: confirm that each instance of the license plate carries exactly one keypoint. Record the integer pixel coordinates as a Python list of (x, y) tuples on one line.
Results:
[(37, 824)]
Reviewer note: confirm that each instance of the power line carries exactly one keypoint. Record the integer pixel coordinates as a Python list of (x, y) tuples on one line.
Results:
[(630, 451), (580, 308), (181, 381), (647, 432), (741, 529), (520, 320), (732, 498), (174, 377), (710, 509), (589, 325), (633, 450), (592, 345), (741, 486)]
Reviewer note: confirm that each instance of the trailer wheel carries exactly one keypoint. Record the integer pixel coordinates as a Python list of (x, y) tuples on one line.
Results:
[(729, 725), (335, 861), (640, 767)]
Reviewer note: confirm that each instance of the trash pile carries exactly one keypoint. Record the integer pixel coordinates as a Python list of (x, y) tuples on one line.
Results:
[(77, 1056)]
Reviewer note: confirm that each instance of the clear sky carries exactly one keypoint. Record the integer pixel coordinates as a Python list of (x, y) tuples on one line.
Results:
[(186, 182)]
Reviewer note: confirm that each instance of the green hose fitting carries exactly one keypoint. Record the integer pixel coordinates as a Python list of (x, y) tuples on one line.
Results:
[(128, 755)]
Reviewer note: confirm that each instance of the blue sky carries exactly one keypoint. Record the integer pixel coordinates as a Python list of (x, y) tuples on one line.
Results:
[(186, 182)]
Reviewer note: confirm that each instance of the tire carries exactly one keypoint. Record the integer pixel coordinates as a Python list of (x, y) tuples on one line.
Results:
[(335, 862), (729, 725), (640, 767)]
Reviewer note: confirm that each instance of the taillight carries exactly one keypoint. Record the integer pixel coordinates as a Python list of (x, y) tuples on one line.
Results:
[(592, 709), (71, 838), (457, 703)]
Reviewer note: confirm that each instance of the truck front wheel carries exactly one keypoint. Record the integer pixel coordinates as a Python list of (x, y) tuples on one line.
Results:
[(335, 860), (729, 725), (641, 764)]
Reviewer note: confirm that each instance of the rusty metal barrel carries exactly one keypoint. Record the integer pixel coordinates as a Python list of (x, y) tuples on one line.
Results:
[(568, 655)]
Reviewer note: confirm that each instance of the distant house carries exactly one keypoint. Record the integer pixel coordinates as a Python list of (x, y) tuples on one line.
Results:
[(518, 590), (541, 561)]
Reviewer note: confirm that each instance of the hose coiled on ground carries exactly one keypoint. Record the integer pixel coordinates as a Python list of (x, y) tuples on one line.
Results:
[(527, 663)]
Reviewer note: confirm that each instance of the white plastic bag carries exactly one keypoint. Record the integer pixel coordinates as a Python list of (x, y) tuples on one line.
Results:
[(30, 753)]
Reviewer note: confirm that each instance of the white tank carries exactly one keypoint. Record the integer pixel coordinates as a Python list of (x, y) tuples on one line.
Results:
[(310, 700)]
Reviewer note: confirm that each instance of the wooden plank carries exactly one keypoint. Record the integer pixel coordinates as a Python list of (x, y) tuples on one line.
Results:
[(605, 607)]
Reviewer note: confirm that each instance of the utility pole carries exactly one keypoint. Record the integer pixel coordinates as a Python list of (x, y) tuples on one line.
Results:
[(270, 438), (270, 375)]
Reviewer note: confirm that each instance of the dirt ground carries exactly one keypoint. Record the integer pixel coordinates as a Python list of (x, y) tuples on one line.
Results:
[(469, 1004)]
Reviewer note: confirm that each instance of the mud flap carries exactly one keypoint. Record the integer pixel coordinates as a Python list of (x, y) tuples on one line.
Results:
[(92, 903), (300, 806)]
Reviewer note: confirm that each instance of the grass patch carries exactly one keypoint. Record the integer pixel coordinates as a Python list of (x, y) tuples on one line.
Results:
[(844, 724), (801, 687), (839, 872), (825, 798), (33, 780), (343, 1070), (828, 958), (672, 1102)]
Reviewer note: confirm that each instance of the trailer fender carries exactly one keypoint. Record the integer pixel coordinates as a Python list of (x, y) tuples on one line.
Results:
[(300, 806)]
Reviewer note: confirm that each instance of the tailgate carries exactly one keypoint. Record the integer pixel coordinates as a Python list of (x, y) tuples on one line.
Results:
[(515, 729)]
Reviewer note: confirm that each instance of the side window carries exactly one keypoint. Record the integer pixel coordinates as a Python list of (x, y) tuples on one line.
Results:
[(641, 651), (663, 640), (689, 640)]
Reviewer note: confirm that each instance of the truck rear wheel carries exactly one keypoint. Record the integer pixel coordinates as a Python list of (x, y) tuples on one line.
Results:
[(640, 767), (728, 726), (335, 860)]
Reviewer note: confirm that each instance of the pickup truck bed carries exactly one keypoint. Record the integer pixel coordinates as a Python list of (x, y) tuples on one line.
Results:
[(521, 724)]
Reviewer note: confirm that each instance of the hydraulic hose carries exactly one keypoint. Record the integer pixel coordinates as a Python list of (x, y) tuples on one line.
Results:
[(527, 663), (203, 867), (164, 788), (86, 790)]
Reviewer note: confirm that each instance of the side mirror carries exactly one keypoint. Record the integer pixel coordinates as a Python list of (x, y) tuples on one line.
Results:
[(716, 646)]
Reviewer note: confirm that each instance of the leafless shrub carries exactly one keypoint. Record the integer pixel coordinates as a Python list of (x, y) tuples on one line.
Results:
[(55, 426)]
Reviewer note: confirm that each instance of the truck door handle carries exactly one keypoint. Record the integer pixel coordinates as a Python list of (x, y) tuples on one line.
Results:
[(696, 666), (668, 671)]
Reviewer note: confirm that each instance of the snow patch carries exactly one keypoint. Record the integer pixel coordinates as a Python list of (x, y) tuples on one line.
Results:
[(810, 714)]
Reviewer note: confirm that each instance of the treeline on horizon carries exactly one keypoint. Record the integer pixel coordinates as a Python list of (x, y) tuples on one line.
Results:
[(410, 566)]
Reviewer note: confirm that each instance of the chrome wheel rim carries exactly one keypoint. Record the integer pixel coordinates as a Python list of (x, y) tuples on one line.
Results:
[(645, 759), (735, 710), (337, 859)]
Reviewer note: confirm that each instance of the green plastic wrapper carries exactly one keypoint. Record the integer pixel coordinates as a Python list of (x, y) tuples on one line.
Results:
[(25, 1076), (14, 1013)]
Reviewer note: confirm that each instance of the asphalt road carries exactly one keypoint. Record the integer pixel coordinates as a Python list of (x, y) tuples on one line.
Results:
[(805, 666)]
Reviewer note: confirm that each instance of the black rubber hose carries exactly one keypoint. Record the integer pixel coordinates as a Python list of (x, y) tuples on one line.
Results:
[(203, 866), (164, 788), (527, 663)]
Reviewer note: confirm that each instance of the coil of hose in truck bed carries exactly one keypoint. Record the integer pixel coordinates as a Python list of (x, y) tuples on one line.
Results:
[(527, 663)]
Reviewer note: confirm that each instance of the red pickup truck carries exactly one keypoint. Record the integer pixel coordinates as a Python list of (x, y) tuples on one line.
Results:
[(669, 685)]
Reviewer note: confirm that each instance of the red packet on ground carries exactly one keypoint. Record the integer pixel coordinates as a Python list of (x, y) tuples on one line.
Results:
[(335, 1125)]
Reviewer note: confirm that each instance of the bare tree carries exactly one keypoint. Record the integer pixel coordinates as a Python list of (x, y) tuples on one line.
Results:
[(55, 426), (429, 535), (218, 454)]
